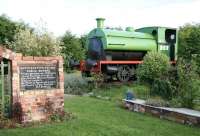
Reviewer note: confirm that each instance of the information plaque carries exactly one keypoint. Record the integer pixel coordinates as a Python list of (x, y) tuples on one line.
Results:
[(34, 77)]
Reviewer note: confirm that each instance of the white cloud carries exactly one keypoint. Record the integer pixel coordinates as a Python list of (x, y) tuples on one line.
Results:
[(79, 15)]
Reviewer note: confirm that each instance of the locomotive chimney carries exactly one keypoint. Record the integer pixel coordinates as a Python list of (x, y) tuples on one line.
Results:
[(100, 22)]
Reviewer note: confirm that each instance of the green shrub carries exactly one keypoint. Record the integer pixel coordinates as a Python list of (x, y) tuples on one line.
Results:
[(189, 84), (166, 85), (154, 66), (1, 113), (6, 122), (98, 80), (7, 103), (75, 84), (157, 101), (154, 72), (179, 84), (76, 87), (175, 102), (141, 91), (162, 88)]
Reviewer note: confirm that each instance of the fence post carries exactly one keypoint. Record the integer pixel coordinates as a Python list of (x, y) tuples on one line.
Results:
[(9, 86), (2, 85)]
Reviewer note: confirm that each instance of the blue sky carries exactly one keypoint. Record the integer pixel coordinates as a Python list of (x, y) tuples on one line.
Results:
[(79, 15)]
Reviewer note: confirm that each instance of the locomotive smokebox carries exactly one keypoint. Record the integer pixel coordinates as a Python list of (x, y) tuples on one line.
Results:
[(100, 22)]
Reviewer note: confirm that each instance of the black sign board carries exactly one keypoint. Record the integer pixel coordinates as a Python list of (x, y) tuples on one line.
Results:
[(38, 77)]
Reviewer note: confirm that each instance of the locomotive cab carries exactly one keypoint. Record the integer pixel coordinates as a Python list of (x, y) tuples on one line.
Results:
[(166, 38)]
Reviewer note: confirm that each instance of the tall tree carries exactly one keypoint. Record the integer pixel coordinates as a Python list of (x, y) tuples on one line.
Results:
[(83, 39), (72, 48), (189, 42), (7, 29)]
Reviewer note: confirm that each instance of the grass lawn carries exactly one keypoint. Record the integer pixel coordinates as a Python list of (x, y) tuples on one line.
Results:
[(97, 117), (117, 92)]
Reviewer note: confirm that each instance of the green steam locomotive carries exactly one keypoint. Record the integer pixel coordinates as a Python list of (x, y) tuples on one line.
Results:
[(118, 52)]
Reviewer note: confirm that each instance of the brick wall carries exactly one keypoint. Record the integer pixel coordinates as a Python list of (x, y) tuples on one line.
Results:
[(30, 105), (163, 113), (33, 102)]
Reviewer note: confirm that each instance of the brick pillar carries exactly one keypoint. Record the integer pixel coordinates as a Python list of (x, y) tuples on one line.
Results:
[(32, 103)]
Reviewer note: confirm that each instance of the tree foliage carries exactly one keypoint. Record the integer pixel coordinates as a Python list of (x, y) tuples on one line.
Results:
[(154, 66), (72, 48), (154, 72), (30, 43), (9, 28), (189, 43), (179, 84), (82, 40), (19, 37), (188, 85)]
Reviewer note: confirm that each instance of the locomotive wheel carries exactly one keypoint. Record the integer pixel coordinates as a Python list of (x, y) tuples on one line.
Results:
[(124, 73)]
